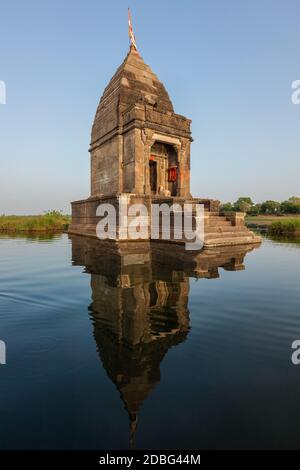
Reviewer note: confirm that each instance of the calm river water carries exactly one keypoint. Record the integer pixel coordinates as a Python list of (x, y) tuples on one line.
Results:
[(148, 346)]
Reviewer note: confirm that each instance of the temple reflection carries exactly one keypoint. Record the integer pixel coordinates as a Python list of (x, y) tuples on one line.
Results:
[(139, 305)]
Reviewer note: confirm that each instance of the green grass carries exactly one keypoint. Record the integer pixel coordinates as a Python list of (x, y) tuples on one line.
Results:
[(48, 222), (286, 227), (278, 225), (262, 220)]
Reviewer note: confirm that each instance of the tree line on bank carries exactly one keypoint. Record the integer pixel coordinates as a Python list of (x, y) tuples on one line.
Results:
[(245, 204)]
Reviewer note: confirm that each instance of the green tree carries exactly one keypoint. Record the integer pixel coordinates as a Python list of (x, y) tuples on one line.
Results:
[(227, 207), (295, 200), (270, 207), (255, 210), (291, 206), (243, 204)]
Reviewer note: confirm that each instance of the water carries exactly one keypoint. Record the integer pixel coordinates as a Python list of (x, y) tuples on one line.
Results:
[(148, 347)]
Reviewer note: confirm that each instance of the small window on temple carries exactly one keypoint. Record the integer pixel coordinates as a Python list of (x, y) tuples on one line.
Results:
[(172, 174)]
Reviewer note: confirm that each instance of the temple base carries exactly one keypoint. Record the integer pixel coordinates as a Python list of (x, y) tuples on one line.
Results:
[(220, 229)]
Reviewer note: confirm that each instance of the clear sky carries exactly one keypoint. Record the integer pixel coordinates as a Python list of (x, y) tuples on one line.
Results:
[(227, 65)]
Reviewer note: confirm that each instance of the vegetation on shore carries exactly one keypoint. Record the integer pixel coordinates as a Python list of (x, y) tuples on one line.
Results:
[(278, 218), (276, 225), (50, 221), (286, 227), (245, 204), (265, 221)]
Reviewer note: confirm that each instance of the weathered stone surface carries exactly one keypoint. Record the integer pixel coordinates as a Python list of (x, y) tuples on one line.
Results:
[(141, 148), (134, 113)]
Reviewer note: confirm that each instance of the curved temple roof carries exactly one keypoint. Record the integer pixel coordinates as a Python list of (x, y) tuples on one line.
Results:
[(134, 82)]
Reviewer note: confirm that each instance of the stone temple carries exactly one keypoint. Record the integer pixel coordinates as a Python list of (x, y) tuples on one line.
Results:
[(140, 150)]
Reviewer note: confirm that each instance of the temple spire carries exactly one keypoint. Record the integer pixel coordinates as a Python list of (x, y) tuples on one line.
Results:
[(130, 31)]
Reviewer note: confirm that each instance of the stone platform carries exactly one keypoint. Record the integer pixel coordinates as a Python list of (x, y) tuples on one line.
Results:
[(220, 229)]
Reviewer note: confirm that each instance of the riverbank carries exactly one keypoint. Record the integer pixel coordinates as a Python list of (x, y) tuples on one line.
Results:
[(49, 222), (276, 225), (55, 221)]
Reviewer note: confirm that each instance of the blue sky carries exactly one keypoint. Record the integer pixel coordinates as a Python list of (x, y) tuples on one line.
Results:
[(228, 66)]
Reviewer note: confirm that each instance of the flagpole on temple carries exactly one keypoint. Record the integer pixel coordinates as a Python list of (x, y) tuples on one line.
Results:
[(132, 42)]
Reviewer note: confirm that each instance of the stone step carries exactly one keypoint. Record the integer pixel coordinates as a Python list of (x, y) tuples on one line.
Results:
[(217, 223), (234, 234), (241, 240), (224, 229), (214, 236), (216, 218), (217, 231)]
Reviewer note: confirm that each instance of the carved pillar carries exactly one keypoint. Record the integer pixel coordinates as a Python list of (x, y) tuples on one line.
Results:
[(177, 147), (148, 142), (184, 169)]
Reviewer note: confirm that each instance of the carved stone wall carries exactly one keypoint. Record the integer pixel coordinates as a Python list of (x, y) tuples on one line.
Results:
[(134, 107)]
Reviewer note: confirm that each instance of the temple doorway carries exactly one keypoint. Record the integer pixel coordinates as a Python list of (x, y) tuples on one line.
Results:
[(163, 169), (153, 176)]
